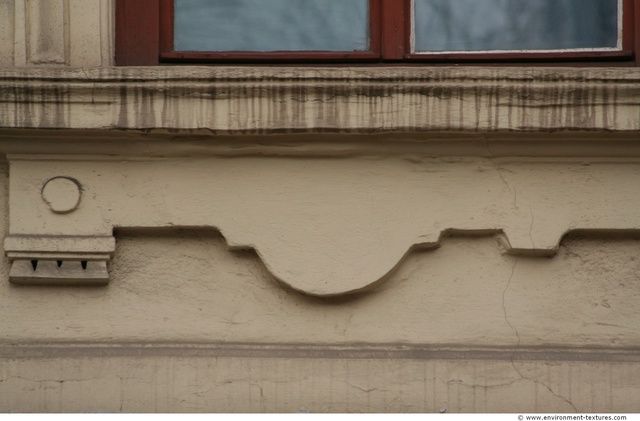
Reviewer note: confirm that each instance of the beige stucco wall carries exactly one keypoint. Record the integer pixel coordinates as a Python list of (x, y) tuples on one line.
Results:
[(187, 325), (316, 239)]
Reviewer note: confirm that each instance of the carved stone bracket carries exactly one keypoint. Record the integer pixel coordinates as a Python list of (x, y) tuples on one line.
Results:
[(323, 226), (59, 260)]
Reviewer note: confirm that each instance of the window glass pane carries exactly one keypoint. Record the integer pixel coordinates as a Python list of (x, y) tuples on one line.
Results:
[(271, 25), (481, 25)]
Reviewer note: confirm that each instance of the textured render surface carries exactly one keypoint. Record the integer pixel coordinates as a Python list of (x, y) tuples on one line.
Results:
[(186, 325), (223, 384), (186, 286)]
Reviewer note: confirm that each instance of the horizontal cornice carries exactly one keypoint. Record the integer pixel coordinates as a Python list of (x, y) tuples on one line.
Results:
[(263, 100)]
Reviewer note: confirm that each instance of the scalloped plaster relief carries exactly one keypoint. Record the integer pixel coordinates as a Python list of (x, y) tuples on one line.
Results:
[(323, 226)]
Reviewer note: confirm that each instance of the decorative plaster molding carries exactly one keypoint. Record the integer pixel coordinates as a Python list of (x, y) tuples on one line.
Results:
[(76, 33), (46, 27), (261, 100), (59, 259), (323, 226)]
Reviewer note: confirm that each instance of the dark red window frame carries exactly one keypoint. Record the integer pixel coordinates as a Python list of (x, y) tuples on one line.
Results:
[(144, 34)]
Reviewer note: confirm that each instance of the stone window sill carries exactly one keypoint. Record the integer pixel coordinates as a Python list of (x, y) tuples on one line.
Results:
[(263, 100)]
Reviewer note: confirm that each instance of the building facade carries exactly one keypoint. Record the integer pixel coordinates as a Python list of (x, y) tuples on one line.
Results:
[(322, 238)]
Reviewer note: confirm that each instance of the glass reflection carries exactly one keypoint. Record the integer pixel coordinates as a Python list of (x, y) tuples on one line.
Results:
[(271, 25), (481, 25)]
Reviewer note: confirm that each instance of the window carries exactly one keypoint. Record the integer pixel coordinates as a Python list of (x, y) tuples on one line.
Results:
[(151, 32), (273, 29)]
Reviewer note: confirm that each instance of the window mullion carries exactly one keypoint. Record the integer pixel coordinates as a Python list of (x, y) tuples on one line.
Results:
[(394, 27)]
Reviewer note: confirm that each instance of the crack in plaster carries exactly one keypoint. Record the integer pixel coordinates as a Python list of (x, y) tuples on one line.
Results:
[(474, 385), (504, 309), (517, 347), (552, 392), (364, 389), (533, 244), (47, 380), (504, 180)]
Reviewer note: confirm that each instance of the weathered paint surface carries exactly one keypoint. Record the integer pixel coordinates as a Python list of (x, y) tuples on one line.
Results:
[(270, 99), (224, 384)]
